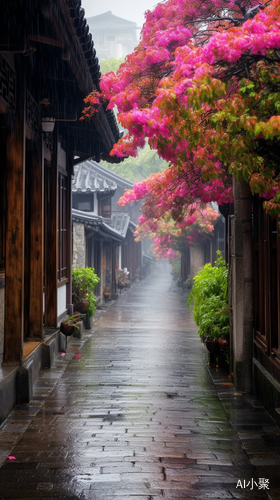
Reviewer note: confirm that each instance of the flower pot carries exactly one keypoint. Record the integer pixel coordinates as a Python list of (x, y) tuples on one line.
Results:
[(223, 345), (67, 329), (212, 345), (106, 295), (85, 304), (213, 348), (88, 322)]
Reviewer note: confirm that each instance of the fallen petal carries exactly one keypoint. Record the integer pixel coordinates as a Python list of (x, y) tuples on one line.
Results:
[(10, 457)]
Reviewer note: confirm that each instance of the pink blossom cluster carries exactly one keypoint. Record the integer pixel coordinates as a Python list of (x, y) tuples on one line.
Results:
[(169, 236), (165, 92)]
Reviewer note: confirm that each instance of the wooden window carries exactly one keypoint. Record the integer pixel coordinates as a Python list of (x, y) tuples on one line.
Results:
[(110, 38), (125, 36), (83, 201), (260, 271), (266, 281), (62, 227), (274, 277), (105, 207)]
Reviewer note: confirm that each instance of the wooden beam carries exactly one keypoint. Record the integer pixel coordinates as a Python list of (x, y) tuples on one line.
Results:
[(58, 14), (14, 290), (35, 314), (46, 40), (103, 128), (51, 220), (69, 258)]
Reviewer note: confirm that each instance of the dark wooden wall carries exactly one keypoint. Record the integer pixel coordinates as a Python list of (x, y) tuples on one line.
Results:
[(266, 241), (3, 174), (14, 292)]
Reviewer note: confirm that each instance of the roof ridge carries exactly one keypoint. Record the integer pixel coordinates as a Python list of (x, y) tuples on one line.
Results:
[(110, 172), (100, 16)]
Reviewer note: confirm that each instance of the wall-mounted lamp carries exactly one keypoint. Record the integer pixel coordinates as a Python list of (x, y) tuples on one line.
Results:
[(48, 124)]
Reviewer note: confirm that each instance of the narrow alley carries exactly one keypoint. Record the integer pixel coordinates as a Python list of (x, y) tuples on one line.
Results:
[(131, 412)]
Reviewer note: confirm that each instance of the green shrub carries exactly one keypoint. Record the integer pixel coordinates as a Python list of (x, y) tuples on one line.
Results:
[(188, 283), (176, 269), (209, 299), (90, 310), (84, 281)]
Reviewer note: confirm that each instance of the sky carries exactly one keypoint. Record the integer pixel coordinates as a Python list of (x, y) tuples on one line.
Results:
[(131, 10)]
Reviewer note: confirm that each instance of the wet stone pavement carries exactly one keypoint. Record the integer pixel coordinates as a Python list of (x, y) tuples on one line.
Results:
[(139, 415)]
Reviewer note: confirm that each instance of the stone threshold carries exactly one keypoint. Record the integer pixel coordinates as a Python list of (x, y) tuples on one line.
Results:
[(28, 347), (17, 380)]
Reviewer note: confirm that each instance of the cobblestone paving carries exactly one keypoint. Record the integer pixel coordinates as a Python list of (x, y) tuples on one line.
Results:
[(136, 415)]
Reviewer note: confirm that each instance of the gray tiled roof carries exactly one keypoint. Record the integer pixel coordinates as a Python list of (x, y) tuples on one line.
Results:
[(118, 179), (120, 222), (102, 226), (88, 180), (87, 218), (94, 169), (89, 176), (106, 229)]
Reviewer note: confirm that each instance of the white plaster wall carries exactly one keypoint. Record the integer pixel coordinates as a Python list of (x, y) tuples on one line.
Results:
[(61, 300), (120, 257), (95, 203), (61, 156), (2, 309)]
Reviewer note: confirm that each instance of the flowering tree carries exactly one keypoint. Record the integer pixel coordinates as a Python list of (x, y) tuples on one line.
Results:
[(170, 237), (203, 87)]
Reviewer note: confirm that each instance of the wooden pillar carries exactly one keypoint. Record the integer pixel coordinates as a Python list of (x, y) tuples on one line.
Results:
[(51, 221), (212, 252), (196, 259), (109, 258), (183, 267), (247, 237), (114, 263), (139, 257), (14, 291), (35, 167), (69, 257), (241, 280), (130, 256)]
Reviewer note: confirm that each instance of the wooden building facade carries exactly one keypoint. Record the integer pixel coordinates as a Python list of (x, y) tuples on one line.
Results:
[(253, 255), (47, 66), (266, 310), (103, 230)]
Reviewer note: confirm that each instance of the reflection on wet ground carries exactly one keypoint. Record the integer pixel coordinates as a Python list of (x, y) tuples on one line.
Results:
[(137, 416)]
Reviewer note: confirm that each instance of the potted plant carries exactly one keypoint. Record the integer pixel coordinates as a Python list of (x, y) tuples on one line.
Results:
[(106, 292), (84, 281), (123, 280), (209, 300), (137, 275), (68, 325)]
